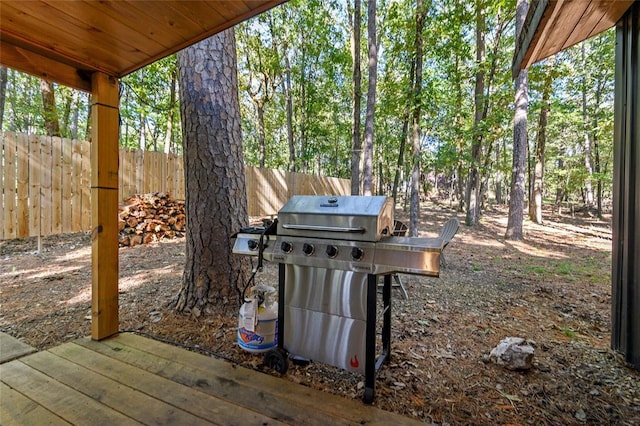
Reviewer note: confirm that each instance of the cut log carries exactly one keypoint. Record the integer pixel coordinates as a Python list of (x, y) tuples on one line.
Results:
[(147, 218)]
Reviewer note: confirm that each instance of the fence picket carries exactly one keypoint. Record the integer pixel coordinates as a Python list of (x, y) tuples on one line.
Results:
[(9, 180), (56, 185), (46, 184), (22, 229), (85, 185), (35, 166), (67, 147), (76, 193), (46, 215)]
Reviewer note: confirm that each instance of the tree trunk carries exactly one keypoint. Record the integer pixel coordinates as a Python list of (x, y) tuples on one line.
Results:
[(498, 181), (414, 208), (400, 162), (541, 140), (66, 113), (596, 152), (51, 122), (587, 134), (262, 146), (87, 129), (142, 134), (371, 99), (75, 118), (472, 192), (216, 199), (168, 137), (516, 194), (356, 142), (3, 92), (459, 184), (289, 100)]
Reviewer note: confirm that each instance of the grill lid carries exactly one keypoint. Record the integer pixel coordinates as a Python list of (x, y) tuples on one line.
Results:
[(360, 218)]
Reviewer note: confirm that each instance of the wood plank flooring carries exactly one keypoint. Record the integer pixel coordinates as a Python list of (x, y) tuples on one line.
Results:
[(12, 348), (129, 379)]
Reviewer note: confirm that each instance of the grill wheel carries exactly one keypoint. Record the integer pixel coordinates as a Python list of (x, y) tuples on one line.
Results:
[(277, 360)]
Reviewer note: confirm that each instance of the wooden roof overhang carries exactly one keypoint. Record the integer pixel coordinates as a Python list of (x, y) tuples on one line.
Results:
[(555, 25), (67, 41)]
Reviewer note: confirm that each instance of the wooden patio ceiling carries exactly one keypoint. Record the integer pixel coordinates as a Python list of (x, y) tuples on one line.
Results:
[(66, 41), (554, 25)]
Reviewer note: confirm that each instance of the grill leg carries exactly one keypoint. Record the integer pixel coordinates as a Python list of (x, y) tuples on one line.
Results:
[(370, 340), (280, 332), (386, 325)]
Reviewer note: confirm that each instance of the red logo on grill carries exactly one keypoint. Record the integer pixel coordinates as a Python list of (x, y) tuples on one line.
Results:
[(354, 361)]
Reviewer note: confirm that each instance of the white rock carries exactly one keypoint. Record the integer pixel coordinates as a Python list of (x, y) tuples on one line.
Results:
[(514, 353)]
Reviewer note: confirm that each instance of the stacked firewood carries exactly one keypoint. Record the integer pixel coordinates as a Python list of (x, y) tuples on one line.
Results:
[(146, 218)]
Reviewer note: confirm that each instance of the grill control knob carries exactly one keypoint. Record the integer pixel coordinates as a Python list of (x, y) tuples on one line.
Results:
[(357, 253), (332, 251), (308, 249), (252, 244), (286, 247)]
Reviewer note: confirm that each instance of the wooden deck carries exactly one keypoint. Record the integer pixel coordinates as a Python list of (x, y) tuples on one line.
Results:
[(130, 379), (12, 348)]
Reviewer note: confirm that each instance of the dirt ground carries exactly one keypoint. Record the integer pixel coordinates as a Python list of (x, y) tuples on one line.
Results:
[(553, 288)]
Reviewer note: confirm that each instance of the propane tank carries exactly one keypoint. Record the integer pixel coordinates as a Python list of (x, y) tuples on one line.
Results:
[(258, 320)]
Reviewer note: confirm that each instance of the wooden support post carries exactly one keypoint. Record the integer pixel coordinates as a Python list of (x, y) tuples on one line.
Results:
[(104, 206)]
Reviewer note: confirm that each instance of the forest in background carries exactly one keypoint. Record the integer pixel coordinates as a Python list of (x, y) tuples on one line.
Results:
[(296, 87)]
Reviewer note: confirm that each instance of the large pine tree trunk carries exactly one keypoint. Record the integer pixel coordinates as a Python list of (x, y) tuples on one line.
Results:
[(216, 201), (516, 194)]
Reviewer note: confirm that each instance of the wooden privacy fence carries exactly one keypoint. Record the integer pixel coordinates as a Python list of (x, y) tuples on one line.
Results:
[(45, 184)]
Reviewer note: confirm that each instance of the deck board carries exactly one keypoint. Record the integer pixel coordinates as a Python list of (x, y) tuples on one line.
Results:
[(120, 396), (158, 387), (68, 403), (17, 409), (12, 348), (129, 379)]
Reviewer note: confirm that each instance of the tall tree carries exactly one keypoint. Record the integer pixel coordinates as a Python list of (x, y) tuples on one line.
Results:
[(416, 98), (262, 60), (51, 122), (535, 205), (588, 146), (169, 135), (516, 194), (472, 194), (289, 102), (372, 46), (216, 201), (356, 142), (3, 93)]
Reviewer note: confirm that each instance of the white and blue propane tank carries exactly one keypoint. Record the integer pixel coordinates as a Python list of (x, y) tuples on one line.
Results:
[(258, 320)]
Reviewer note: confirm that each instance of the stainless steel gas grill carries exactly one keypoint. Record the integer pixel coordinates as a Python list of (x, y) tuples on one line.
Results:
[(331, 251)]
